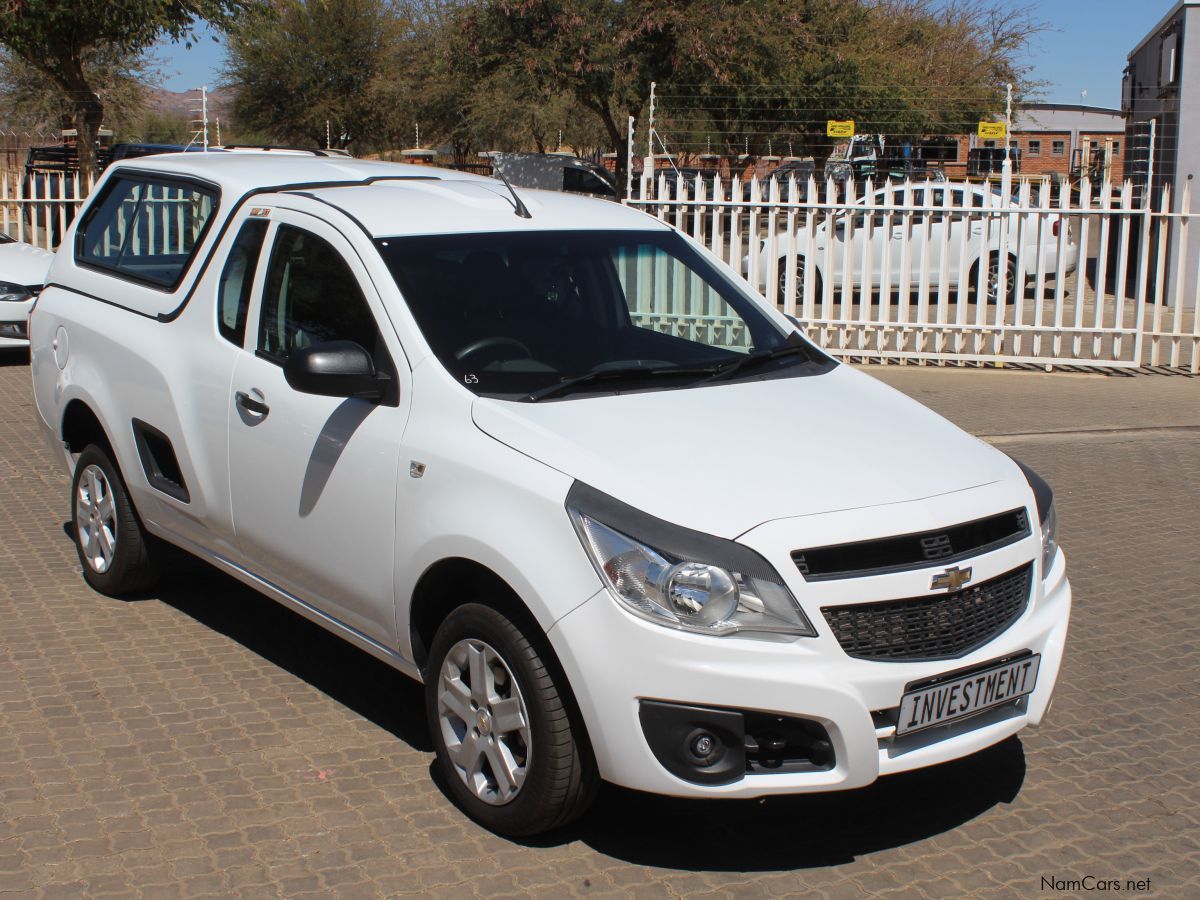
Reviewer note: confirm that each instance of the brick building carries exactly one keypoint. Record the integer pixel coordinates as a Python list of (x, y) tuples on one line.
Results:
[(1055, 139)]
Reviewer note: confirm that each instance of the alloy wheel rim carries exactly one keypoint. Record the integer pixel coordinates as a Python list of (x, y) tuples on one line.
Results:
[(484, 722), (799, 283), (993, 289), (96, 519)]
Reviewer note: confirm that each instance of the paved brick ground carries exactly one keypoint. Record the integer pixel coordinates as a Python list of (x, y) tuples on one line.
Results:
[(204, 741)]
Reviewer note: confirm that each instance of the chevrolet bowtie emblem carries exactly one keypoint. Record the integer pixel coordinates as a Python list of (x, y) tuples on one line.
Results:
[(952, 579)]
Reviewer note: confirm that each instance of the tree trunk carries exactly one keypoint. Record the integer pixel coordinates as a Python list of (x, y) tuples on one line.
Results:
[(601, 110), (88, 115)]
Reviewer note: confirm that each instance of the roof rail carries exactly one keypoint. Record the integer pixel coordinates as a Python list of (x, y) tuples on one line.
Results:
[(315, 151)]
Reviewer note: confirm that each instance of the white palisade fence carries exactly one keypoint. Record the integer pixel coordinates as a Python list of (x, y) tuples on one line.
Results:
[(905, 271), (38, 209), (913, 270)]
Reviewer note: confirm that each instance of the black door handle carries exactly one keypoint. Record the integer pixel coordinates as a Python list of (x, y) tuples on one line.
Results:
[(249, 404)]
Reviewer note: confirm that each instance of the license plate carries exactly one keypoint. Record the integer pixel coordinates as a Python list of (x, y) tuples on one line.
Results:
[(967, 695)]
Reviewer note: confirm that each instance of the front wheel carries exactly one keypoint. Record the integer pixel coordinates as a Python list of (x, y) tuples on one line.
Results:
[(501, 726), (116, 553)]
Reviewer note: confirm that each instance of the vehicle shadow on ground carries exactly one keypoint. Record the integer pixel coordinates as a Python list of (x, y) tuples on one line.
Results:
[(803, 831), (776, 833), (352, 677)]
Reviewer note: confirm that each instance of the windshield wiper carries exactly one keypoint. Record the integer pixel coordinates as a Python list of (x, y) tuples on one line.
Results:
[(755, 359), (587, 378)]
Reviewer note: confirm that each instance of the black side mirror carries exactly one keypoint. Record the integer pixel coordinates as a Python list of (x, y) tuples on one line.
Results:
[(335, 369)]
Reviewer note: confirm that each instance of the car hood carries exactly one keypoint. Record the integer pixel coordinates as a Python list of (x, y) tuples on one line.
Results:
[(24, 264), (725, 458)]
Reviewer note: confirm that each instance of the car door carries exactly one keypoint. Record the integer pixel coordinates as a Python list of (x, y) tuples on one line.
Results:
[(313, 478)]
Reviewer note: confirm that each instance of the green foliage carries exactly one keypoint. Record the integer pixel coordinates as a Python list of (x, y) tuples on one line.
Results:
[(32, 102), (57, 37), (751, 71), (297, 64)]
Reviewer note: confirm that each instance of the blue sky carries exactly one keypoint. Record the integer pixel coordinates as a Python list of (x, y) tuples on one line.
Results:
[(1085, 50)]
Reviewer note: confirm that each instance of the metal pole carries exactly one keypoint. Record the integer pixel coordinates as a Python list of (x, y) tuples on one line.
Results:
[(1007, 124), (204, 112), (650, 126), (1149, 160), (629, 162)]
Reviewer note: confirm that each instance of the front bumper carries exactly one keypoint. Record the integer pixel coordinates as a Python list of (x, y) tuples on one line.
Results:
[(615, 660), (14, 323)]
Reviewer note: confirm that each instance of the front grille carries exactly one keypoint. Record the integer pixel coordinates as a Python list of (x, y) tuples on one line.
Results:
[(912, 551), (934, 627)]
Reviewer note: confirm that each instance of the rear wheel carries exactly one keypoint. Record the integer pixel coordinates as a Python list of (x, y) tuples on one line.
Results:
[(116, 554), (505, 741)]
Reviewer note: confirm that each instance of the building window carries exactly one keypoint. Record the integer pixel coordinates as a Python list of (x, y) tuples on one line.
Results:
[(989, 144), (1058, 148), (1116, 148), (1166, 60), (1035, 148)]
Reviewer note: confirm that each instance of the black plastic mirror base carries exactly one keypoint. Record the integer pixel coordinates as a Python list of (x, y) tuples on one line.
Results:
[(335, 369)]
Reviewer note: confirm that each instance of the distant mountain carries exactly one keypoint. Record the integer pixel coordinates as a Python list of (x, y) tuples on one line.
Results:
[(186, 103)]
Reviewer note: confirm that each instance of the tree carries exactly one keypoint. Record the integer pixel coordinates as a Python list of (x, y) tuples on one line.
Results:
[(56, 37), (28, 100), (756, 70), (297, 65)]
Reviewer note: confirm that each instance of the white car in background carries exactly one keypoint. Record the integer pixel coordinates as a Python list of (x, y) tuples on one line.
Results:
[(23, 269), (947, 229)]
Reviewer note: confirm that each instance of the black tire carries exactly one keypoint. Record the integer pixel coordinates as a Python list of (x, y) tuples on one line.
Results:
[(103, 516), (781, 288), (559, 778), (1014, 287)]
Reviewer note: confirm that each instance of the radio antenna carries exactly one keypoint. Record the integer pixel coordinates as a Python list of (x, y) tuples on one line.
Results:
[(518, 206)]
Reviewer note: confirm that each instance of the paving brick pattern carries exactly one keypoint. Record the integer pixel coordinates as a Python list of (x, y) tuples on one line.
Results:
[(202, 741)]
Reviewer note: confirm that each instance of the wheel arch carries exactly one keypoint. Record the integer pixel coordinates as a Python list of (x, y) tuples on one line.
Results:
[(79, 426), (451, 582)]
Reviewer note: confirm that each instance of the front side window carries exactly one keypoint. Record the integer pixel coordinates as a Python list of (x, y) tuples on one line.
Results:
[(515, 314), (310, 297), (145, 230)]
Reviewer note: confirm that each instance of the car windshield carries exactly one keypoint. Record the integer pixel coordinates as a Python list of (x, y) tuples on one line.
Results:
[(530, 316)]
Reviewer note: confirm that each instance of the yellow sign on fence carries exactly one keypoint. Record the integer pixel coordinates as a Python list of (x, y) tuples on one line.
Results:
[(992, 131), (836, 129)]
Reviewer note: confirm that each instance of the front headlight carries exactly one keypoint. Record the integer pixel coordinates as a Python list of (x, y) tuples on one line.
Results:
[(682, 578), (10, 292), (1049, 539), (1044, 498)]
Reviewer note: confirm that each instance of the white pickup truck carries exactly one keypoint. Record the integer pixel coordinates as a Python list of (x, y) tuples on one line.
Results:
[(552, 458)]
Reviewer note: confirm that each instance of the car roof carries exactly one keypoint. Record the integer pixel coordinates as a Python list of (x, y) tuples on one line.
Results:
[(393, 199), (412, 207)]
